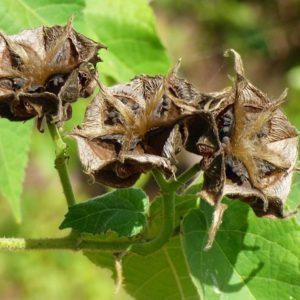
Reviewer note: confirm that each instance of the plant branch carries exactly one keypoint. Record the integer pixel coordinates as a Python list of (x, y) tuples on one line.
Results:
[(67, 243), (168, 217), (60, 163), (168, 190), (163, 184), (186, 176), (75, 243)]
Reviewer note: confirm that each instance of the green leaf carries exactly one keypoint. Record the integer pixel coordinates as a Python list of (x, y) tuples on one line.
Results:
[(251, 258), (14, 147), (23, 14), (123, 211), (161, 275), (127, 28)]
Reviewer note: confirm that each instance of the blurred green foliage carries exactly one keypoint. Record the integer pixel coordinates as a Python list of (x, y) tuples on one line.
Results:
[(266, 33)]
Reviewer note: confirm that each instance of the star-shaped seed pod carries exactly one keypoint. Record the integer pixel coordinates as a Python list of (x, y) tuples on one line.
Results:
[(43, 70), (133, 127), (258, 152)]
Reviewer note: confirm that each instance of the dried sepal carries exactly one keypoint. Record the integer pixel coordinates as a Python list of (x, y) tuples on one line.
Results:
[(265, 144), (55, 63), (259, 152), (134, 127)]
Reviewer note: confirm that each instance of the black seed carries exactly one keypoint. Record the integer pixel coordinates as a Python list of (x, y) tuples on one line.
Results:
[(16, 61), (225, 129), (54, 83), (18, 83), (83, 78), (165, 103), (163, 106), (226, 123), (112, 114), (263, 133), (225, 140), (135, 106), (124, 100), (235, 170), (35, 88), (116, 120)]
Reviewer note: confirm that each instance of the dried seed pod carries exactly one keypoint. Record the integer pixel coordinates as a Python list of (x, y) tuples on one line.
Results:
[(258, 152), (43, 70), (134, 127)]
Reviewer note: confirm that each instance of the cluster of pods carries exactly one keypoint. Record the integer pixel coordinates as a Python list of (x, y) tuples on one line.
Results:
[(247, 148)]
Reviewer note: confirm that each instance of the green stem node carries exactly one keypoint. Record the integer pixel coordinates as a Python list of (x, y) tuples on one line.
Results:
[(168, 212), (168, 217), (60, 163)]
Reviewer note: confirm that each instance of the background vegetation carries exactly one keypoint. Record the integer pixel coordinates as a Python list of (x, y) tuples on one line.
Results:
[(266, 33)]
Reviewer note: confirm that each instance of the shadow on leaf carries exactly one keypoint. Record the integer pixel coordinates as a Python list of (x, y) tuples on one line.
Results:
[(215, 269)]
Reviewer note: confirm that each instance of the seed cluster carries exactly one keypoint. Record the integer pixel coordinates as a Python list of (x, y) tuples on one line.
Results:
[(134, 127), (247, 148), (259, 150), (44, 70)]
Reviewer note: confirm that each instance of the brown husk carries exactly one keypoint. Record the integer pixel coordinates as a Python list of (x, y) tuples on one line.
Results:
[(43, 70), (259, 150), (134, 127)]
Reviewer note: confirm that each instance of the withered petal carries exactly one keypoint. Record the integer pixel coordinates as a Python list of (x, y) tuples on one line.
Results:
[(214, 179)]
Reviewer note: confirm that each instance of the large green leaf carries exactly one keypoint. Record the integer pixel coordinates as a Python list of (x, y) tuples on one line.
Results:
[(162, 275), (123, 211), (127, 28), (23, 14), (251, 258), (14, 146)]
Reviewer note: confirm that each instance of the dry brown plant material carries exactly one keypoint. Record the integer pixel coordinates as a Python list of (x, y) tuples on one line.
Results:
[(43, 70), (134, 127), (259, 150), (247, 146)]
